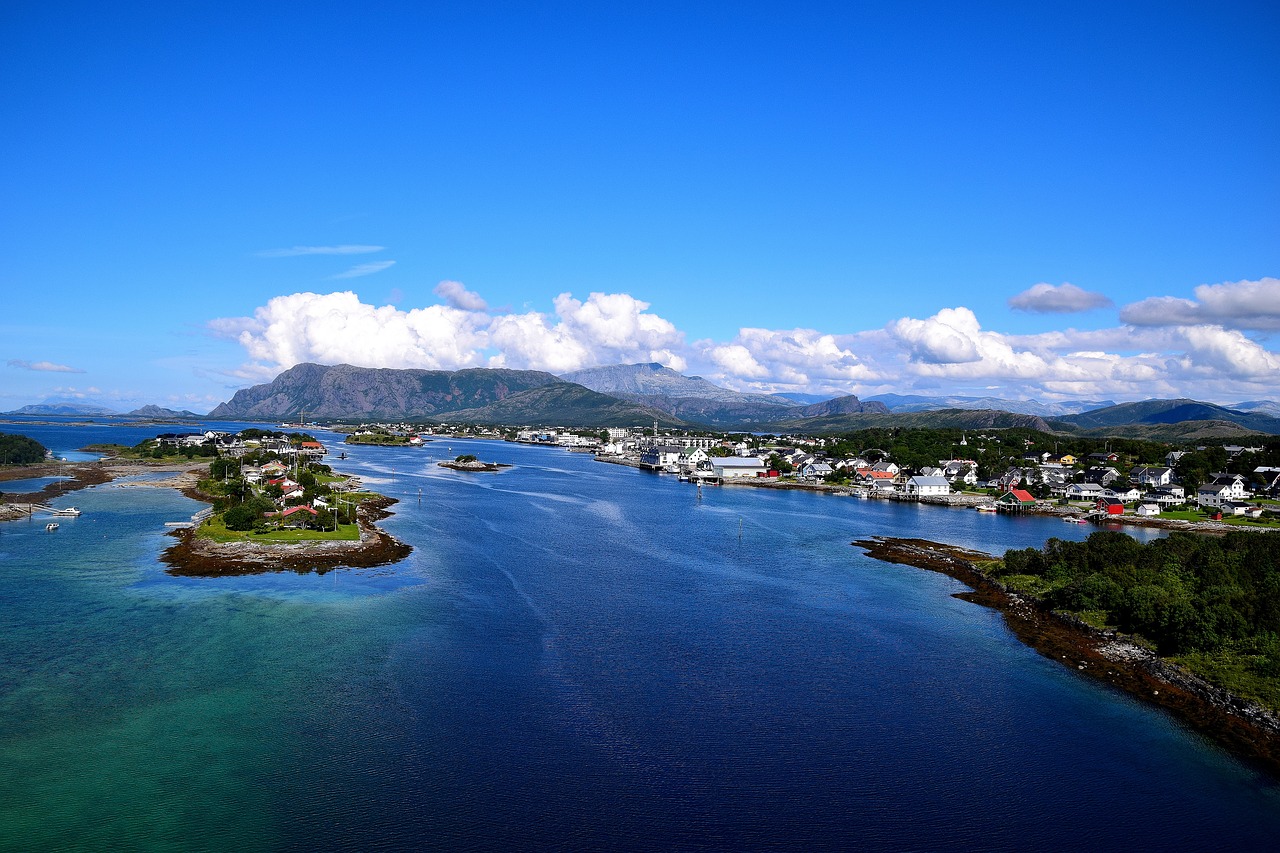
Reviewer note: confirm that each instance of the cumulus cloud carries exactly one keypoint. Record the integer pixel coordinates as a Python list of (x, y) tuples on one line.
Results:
[(1235, 305), (948, 337), (364, 269), (296, 251), (1063, 298), (45, 366), (605, 329), (456, 294), (336, 328)]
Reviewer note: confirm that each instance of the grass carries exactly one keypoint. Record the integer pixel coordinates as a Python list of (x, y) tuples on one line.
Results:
[(1236, 673), (1029, 584), (217, 531)]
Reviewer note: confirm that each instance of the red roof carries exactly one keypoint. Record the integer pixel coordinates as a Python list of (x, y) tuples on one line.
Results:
[(1022, 495), (291, 510)]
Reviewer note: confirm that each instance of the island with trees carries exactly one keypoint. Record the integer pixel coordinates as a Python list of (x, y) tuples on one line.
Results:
[(277, 507), (469, 462)]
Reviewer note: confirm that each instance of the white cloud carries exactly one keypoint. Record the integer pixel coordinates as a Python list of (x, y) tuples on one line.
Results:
[(44, 366), (948, 337), (456, 294), (338, 328), (364, 269), (297, 251), (607, 328), (1234, 305), (1063, 298)]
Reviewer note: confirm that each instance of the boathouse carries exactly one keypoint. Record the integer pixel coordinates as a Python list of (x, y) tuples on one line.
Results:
[(1015, 500)]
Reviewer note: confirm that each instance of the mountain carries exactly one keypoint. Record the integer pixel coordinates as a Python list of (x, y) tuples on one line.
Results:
[(159, 412), (563, 403), (1265, 407), (915, 403), (803, 399), (344, 391), (936, 419), (694, 399), (63, 410), (654, 380), (1152, 412)]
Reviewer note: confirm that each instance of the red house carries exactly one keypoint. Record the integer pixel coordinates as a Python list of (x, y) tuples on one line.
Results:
[(1112, 506)]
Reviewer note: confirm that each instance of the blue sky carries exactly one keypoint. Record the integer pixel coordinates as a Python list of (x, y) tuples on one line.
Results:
[(818, 197)]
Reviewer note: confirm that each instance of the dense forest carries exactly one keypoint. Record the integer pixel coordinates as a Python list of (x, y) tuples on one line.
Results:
[(20, 450), (1213, 602)]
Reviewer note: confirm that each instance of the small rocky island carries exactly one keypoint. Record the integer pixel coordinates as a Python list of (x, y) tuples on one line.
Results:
[(468, 462)]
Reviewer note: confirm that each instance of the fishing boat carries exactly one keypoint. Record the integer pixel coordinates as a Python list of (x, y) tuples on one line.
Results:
[(986, 508)]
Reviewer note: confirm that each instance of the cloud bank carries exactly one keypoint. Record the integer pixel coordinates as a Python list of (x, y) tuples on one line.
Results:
[(949, 351)]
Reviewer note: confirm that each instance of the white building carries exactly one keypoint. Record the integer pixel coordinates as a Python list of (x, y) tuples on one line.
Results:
[(922, 486), (737, 467)]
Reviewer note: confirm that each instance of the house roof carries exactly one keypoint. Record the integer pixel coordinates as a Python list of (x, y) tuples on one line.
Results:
[(738, 462), (930, 481), (1022, 495)]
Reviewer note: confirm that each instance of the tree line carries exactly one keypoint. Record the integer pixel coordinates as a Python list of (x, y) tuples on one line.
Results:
[(1186, 593)]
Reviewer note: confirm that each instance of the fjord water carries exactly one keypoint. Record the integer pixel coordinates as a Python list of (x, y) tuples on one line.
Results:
[(575, 656)]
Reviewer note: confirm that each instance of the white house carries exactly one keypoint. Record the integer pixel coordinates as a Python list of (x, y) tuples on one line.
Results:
[(1150, 476), (1083, 492), (1128, 495), (1148, 509), (815, 470), (922, 486), (1213, 495)]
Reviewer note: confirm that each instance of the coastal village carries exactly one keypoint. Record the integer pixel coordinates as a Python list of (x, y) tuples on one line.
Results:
[(1103, 485)]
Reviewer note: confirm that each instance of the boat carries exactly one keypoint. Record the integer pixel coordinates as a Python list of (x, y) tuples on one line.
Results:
[(68, 511), (986, 508), (51, 526), (1074, 519)]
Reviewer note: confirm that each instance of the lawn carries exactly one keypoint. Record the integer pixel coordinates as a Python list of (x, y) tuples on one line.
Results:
[(217, 531)]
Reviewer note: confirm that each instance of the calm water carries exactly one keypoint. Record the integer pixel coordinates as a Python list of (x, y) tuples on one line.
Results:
[(576, 656)]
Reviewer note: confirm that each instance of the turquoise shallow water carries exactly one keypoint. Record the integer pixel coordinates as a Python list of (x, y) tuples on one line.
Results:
[(576, 656)]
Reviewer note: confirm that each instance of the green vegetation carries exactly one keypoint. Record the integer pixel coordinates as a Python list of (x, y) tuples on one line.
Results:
[(380, 439), (20, 450), (465, 458), (1213, 604)]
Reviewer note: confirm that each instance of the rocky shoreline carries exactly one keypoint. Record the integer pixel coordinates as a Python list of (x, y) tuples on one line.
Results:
[(1243, 727)]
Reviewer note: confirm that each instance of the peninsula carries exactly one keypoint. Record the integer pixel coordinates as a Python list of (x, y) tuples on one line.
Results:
[(1201, 689)]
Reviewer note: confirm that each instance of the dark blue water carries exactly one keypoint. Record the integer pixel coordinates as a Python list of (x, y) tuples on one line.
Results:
[(576, 656)]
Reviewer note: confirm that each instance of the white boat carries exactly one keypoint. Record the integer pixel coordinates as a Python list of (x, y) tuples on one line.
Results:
[(68, 511), (986, 507), (51, 526), (1074, 519)]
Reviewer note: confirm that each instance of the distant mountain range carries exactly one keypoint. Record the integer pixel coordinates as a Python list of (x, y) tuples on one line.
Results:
[(694, 399), (914, 403), (74, 410), (1154, 412)]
